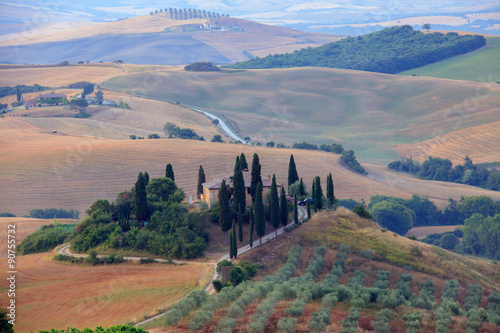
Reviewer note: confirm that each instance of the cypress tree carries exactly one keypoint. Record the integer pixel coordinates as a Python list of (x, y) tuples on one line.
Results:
[(240, 227), (146, 178), (329, 189), (169, 172), (319, 194), (224, 209), (308, 209), (283, 209), (231, 242), (243, 162), (302, 188), (19, 95), (252, 227), (313, 195), (141, 199), (260, 219), (293, 176), (239, 196), (235, 241), (275, 206), (201, 180), (295, 210), (256, 177)]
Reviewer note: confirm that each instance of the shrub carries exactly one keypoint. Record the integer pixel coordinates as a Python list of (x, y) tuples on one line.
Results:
[(350, 324), (413, 321), (367, 254), (287, 325), (7, 215), (381, 325), (147, 260), (43, 239), (92, 258)]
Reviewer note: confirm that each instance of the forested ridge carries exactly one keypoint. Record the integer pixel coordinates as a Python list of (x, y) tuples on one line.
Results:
[(390, 51)]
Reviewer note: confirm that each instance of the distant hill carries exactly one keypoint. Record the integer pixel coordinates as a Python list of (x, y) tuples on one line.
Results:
[(155, 39), (390, 51), (474, 66)]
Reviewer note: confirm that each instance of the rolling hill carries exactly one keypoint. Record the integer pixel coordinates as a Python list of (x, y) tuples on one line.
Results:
[(474, 66), (74, 171), (155, 39), (366, 112)]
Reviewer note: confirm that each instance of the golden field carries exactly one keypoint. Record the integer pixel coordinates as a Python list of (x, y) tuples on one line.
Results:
[(73, 172)]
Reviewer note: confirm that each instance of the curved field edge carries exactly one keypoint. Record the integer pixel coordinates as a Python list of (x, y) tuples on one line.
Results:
[(367, 112)]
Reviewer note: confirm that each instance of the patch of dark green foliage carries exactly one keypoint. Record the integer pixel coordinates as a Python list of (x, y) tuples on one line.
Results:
[(53, 213), (174, 131), (391, 50), (202, 67), (7, 91), (45, 239)]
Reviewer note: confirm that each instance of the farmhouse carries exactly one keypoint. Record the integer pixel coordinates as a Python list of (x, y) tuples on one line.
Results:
[(211, 188), (51, 99)]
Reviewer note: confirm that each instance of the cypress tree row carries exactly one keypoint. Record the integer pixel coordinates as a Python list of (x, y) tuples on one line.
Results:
[(240, 227), (224, 209), (260, 220), (231, 248), (256, 177), (243, 162), (293, 176), (141, 199), (235, 241), (201, 180), (169, 172), (275, 206), (295, 210), (239, 196), (252, 227), (283, 209)]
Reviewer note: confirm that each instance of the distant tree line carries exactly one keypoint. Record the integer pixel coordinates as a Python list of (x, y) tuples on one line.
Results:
[(390, 50), (20, 89), (188, 13), (174, 131), (202, 67), (435, 168), (51, 213)]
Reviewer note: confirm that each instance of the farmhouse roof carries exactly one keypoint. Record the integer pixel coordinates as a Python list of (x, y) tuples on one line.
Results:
[(247, 177), (52, 95)]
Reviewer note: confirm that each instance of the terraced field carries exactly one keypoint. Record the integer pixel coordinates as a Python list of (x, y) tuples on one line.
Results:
[(480, 143), (73, 172)]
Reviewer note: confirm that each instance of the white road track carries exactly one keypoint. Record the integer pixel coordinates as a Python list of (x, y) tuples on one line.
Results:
[(209, 287), (222, 125)]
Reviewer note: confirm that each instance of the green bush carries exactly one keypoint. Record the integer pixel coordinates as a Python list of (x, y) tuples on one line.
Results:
[(44, 239)]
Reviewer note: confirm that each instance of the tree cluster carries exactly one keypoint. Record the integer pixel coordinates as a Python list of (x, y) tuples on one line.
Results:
[(435, 168), (174, 131), (349, 160), (390, 51), (44, 239), (53, 213), (188, 13), (202, 66)]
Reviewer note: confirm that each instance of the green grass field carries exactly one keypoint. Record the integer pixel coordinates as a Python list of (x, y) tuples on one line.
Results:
[(366, 112), (481, 65)]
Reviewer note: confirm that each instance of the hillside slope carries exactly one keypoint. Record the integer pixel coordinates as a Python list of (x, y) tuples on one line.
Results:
[(366, 112), (73, 172), (156, 39)]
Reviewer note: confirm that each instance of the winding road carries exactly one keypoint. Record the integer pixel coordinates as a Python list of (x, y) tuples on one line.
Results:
[(209, 287), (222, 124)]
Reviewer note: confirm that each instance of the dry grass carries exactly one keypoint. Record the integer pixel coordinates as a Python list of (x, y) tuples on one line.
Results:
[(57, 76), (73, 172), (480, 143), (52, 295), (135, 25), (24, 227), (422, 232)]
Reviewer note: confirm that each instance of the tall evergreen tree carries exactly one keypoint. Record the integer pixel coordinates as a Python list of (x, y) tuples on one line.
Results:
[(295, 210), (275, 206), (293, 176), (252, 227), (313, 195), (239, 196), (201, 180), (329, 189), (224, 209), (308, 209), (235, 241), (169, 172), (231, 242), (302, 188), (260, 219), (141, 199), (243, 162), (283, 209), (318, 194), (146, 178), (240, 227), (19, 95), (256, 177)]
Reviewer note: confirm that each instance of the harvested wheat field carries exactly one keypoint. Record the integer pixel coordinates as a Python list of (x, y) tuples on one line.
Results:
[(422, 232), (23, 227), (44, 170), (481, 143), (57, 76), (52, 295)]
